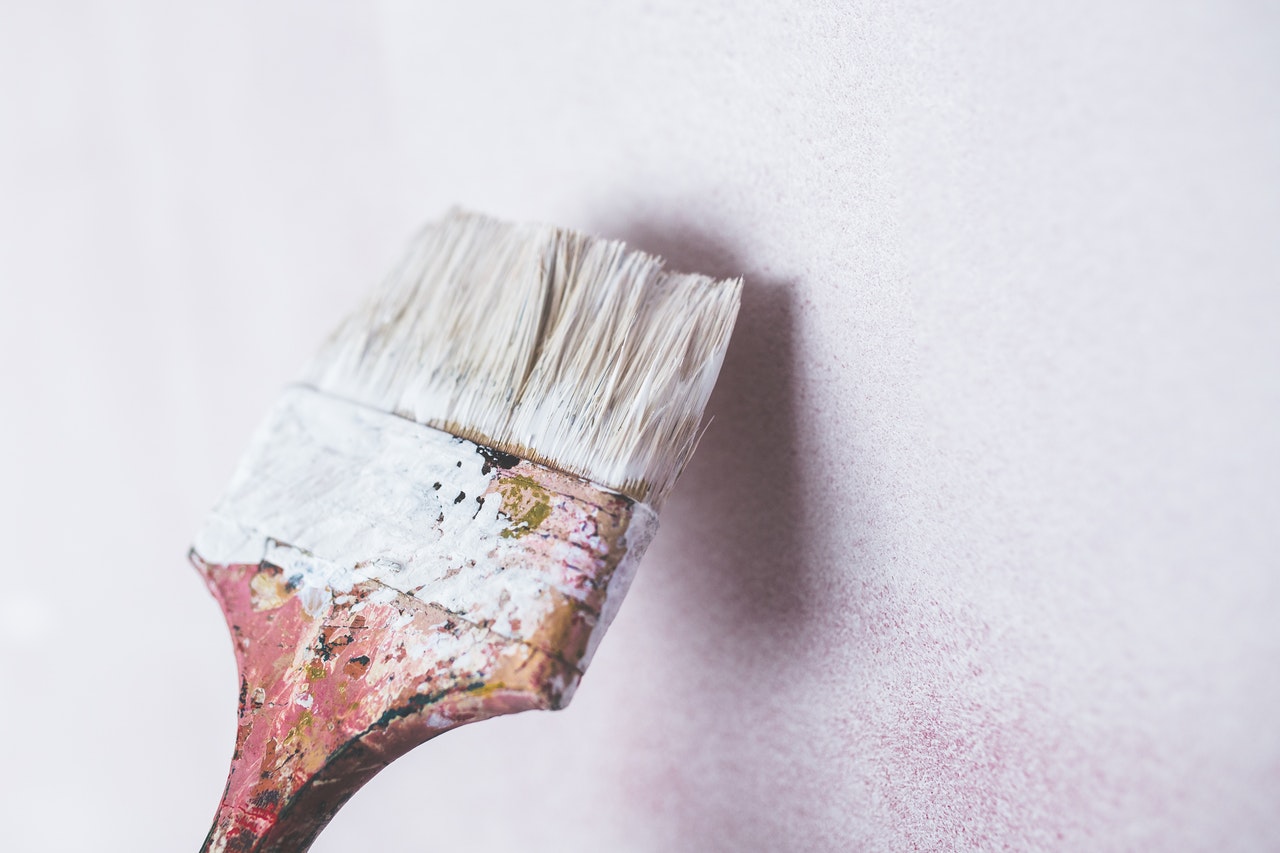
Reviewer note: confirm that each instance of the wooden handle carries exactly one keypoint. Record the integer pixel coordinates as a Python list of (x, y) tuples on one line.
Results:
[(335, 687), (325, 703)]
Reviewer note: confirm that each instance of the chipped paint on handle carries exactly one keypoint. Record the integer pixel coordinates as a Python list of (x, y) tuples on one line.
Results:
[(385, 582)]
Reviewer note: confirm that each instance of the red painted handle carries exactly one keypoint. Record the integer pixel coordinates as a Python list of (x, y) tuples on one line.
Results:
[(327, 701)]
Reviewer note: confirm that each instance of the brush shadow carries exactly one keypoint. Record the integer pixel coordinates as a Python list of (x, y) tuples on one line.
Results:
[(737, 596), (746, 462)]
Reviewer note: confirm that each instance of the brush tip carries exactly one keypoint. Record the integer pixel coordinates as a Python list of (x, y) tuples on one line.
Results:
[(544, 343)]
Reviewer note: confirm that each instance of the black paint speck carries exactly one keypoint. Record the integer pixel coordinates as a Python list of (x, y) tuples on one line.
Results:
[(496, 458), (460, 498), (267, 799)]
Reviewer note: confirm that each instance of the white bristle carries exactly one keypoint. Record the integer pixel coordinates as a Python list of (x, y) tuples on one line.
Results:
[(544, 344)]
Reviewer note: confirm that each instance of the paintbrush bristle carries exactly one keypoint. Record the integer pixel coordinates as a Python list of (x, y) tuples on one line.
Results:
[(542, 343)]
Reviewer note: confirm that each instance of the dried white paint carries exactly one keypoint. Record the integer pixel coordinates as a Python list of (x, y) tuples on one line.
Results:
[(336, 493)]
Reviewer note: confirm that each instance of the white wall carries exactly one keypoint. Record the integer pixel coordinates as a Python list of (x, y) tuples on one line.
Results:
[(979, 552)]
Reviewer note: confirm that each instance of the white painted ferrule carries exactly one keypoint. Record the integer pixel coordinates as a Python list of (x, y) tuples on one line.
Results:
[(336, 493)]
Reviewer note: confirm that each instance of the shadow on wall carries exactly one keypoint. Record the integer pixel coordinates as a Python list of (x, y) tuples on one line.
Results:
[(736, 596), (742, 488)]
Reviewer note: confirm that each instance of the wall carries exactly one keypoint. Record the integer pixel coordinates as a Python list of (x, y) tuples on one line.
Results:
[(979, 551)]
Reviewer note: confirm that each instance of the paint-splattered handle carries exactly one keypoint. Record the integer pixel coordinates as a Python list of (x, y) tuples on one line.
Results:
[(325, 703), (337, 683)]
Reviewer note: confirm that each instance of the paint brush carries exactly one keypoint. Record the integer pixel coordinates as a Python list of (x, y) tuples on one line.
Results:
[(437, 525)]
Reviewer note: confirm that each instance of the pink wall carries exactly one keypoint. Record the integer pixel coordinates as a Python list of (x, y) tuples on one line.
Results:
[(979, 552)]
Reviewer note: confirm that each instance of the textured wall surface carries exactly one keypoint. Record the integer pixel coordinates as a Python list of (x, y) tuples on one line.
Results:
[(980, 552)]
